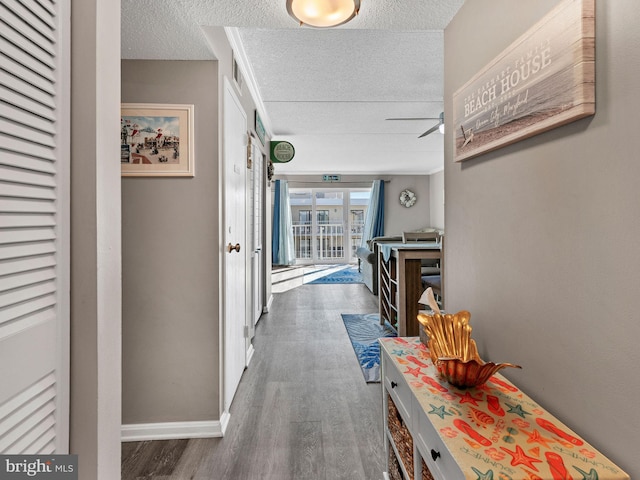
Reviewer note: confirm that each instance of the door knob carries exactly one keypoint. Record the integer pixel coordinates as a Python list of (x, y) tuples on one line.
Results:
[(231, 248)]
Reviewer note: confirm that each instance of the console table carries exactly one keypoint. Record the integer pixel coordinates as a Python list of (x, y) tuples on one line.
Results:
[(400, 282), (434, 431)]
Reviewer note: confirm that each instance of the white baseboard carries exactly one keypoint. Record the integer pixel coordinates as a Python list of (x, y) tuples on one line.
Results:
[(224, 421), (267, 307), (250, 353), (173, 430), (385, 476)]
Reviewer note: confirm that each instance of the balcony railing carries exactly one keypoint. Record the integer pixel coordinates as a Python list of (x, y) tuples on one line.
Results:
[(329, 241)]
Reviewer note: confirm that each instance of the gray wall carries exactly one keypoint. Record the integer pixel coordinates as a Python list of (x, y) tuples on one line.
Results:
[(542, 236), (170, 260), (436, 199), (397, 219)]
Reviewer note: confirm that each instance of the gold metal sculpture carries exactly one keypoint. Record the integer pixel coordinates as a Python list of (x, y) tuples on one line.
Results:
[(454, 352)]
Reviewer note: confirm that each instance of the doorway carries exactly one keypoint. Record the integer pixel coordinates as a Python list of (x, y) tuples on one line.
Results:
[(328, 223)]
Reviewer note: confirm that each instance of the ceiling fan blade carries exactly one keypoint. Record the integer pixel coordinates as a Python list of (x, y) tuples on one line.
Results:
[(431, 130)]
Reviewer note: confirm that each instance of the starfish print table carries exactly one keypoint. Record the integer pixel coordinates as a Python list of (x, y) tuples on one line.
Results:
[(490, 432)]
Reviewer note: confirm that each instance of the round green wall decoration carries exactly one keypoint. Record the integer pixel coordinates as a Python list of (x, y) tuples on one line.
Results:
[(282, 152)]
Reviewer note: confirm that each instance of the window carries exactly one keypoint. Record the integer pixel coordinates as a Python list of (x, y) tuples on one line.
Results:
[(328, 223)]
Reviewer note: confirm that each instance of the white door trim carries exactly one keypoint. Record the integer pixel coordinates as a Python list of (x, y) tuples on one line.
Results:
[(64, 220)]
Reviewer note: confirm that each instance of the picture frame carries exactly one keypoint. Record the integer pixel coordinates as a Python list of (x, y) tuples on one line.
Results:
[(157, 140), (543, 80), (236, 72), (259, 127)]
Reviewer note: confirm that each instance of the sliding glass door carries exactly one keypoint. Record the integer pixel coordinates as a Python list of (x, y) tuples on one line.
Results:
[(327, 223)]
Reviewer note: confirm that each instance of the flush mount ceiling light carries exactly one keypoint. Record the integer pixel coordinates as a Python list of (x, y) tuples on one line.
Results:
[(323, 13)]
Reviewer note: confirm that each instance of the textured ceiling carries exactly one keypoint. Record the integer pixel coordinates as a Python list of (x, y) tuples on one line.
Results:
[(327, 91)]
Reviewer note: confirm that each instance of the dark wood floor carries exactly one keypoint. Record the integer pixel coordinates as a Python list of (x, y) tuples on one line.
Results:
[(302, 410)]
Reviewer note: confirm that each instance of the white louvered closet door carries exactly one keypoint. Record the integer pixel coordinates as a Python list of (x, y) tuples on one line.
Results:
[(34, 226)]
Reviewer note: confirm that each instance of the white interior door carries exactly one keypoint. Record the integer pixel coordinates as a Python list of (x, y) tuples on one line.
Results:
[(235, 302), (34, 228), (251, 252), (258, 179)]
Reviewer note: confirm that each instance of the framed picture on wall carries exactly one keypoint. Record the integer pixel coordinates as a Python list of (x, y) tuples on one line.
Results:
[(157, 140), (543, 80), (259, 127), (237, 74)]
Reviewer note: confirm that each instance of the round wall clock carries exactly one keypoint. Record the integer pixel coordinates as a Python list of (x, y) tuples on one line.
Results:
[(408, 198)]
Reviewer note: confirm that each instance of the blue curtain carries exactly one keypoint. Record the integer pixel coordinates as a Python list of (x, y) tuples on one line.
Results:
[(374, 223), (282, 248)]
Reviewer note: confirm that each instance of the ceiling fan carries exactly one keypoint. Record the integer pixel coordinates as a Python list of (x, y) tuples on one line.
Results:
[(438, 126)]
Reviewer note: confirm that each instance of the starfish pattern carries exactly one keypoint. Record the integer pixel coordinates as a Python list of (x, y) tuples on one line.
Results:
[(535, 437), (592, 475), (483, 476), (468, 398), (397, 351), (517, 409), (414, 371), (521, 458), (440, 411)]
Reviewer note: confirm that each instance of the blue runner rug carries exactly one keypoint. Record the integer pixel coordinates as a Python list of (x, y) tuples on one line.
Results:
[(364, 331), (347, 275)]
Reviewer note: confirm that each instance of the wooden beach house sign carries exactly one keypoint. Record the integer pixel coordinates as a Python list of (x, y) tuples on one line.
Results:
[(543, 80)]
